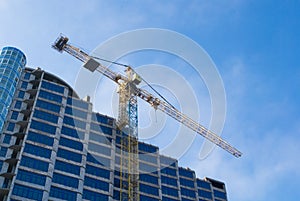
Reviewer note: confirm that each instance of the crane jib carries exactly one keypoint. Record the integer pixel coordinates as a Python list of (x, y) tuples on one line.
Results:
[(61, 44)]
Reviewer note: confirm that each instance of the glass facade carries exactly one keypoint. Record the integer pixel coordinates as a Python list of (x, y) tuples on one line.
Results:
[(54, 147), (12, 62)]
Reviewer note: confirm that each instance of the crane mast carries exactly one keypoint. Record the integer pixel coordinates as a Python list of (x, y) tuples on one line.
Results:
[(128, 117)]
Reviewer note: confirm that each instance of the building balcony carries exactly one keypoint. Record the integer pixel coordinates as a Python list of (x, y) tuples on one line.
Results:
[(32, 92), (35, 82), (15, 147), (22, 123), (29, 101), (19, 135), (26, 112), (4, 191), (11, 161), (37, 72), (8, 175)]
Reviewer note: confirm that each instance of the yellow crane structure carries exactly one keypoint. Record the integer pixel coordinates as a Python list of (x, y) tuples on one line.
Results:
[(128, 117)]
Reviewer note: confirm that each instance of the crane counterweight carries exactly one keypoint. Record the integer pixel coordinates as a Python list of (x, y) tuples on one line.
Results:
[(91, 64)]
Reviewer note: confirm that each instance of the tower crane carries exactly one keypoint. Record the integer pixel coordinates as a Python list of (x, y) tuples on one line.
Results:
[(128, 116)]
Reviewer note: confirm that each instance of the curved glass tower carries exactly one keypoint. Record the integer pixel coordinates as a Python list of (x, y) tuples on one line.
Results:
[(12, 62)]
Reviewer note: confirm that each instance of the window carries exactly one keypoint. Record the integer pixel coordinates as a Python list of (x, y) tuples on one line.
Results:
[(148, 158), (147, 198), (90, 195), (50, 96), (21, 94), (147, 168), (11, 126), (27, 192), (95, 183), (18, 104), (188, 192), (3, 151), (102, 119), (168, 199), (186, 173), (168, 171), (6, 139), (102, 129), (169, 191), (99, 149), (16, 81), (45, 116), (19, 69), (27, 76), (186, 182), (4, 81), (72, 132), (186, 199), (168, 180), (98, 160), (116, 195), (67, 167), (125, 175), (74, 122), (203, 184), (65, 180), (35, 137), (43, 127), (100, 138), (149, 178), (24, 85), (52, 87), (31, 177), (205, 194), (14, 115), (147, 148), (48, 106), (70, 143), (5, 97), (38, 151), (220, 194), (167, 161), (69, 155), (97, 171), (117, 182), (34, 164), (76, 112), (78, 103), (62, 193), (5, 61)]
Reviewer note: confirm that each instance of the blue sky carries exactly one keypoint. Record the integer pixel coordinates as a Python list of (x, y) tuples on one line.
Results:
[(254, 44)]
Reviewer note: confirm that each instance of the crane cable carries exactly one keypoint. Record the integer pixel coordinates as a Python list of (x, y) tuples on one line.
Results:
[(127, 66), (112, 62), (156, 91)]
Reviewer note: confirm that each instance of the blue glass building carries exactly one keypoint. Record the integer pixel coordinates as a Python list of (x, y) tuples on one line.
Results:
[(55, 147), (12, 62)]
